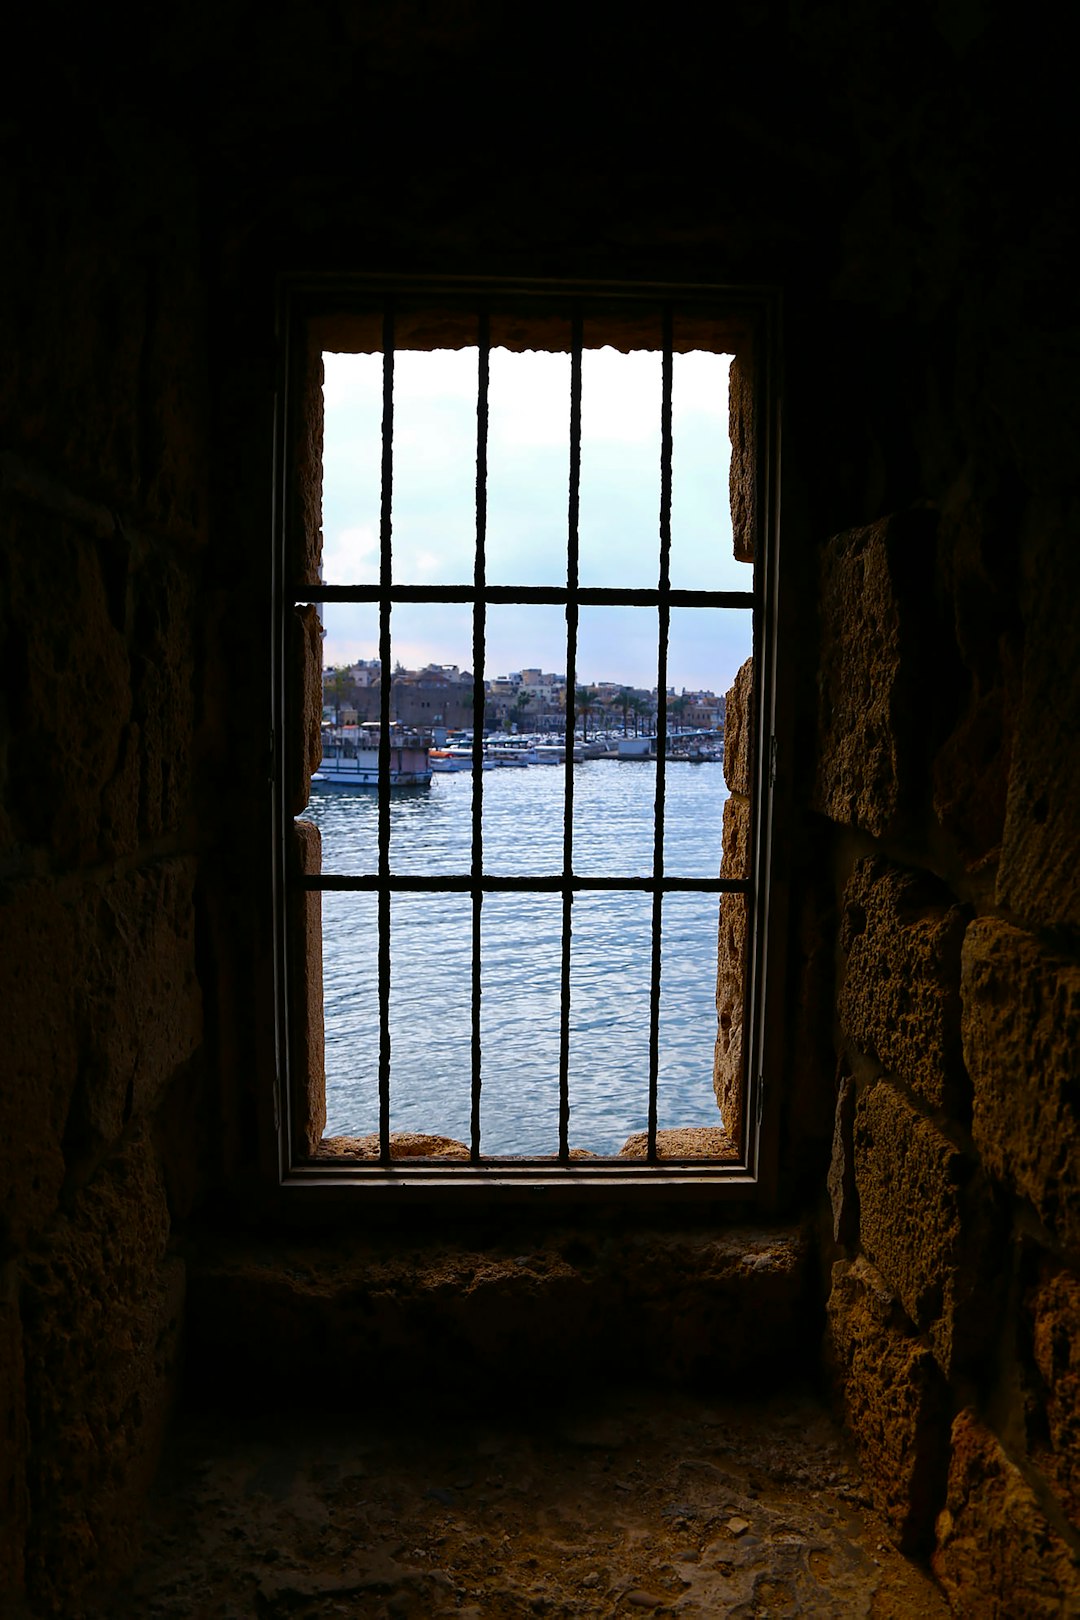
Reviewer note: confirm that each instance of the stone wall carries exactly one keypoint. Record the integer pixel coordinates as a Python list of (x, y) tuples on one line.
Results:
[(103, 509), (903, 194), (953, 1234)]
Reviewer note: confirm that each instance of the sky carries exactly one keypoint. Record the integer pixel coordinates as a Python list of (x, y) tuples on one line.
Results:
[(434, 510)]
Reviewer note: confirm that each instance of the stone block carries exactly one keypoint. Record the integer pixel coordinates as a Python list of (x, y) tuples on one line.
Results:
[(743, 472), (927, 1221), (841, 1177), (894, 1399), (512, 1314), (971, 775), (162, 650), (870, 705), (729, 1080), (40, 1046), (309, 1052), (101, 1310), (1021, 1035), (900, 999), (138, 1002), (305, 662), (70, 776), (100, 1004), (111, 384), (14, 1456), (305, 526), (1039, 874), (1052, 1315), (971, 769), (996, 1553), (735, 838), (738, 731)]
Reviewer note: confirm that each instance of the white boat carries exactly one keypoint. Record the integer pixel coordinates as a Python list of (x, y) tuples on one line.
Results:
[(352, 761)]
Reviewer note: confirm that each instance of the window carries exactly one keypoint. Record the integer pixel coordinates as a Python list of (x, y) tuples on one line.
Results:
[(547, 898)]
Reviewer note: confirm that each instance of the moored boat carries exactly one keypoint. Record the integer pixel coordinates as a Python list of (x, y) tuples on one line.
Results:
[(352, 761)]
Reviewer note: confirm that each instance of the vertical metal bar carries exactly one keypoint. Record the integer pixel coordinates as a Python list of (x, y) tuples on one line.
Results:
[(479, 635), (385, 679), (573, 508), (664, 612)]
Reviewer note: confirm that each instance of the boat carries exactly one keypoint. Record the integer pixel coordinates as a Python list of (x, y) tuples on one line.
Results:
[(352, 761), (455, 759)]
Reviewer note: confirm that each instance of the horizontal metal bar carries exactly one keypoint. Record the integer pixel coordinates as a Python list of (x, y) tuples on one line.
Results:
[(525, 595), (492, 883)]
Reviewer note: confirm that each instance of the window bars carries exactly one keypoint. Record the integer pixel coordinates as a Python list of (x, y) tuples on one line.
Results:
[(571, 597)]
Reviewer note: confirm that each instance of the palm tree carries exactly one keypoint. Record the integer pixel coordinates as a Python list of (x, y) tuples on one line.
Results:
[(584, 703), (340, 683), (625, 700)]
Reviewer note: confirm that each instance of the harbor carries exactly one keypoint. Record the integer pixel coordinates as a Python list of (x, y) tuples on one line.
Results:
[(431, 834), (351, 753)]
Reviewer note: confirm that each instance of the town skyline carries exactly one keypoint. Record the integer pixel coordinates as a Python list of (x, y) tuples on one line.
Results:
[(526, 524)]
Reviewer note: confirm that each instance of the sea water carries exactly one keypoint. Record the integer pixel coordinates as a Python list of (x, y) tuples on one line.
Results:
[(431, 958)]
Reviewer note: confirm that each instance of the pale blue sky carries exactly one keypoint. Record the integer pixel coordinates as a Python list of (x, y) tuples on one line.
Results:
[(528, 473)]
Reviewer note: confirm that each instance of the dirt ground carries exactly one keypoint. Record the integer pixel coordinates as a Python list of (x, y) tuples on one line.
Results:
[(641, 1504)]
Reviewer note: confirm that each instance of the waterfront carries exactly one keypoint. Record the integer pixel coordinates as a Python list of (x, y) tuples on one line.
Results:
[(430, 1009)]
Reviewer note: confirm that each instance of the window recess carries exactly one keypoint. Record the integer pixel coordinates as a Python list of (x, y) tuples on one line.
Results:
[(493, 980)]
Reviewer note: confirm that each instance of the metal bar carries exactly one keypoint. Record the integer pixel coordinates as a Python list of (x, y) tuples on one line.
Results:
[(462, 883), (385, 576), (572, 538), (664, 614), (479, 700), (525, 595)]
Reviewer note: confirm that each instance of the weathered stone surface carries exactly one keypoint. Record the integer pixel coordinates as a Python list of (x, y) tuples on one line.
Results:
[(900, 1000), (729, 1081), (612, 1504), (868, 715), (996, 1552), (690, 1142), (1052, 1311), (309, 1048), (163, 680), (1039, 875), (743, 472), (40, 1046), (971, 776), (735, 838), (14, 1504), (841, 1179), (403, 1145), (926, 1222), (305, 662), (971, 769), (139, 1003), (305, 527), (68, 678), (1021, 1032), (99, 1006), (512, 1313), (101, 1307), (738, 714), (894, 1399), (111, 384), (103, 713)]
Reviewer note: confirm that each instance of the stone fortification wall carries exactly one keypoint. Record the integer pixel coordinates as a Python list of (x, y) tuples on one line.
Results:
[(954, 1239), (103, 520), (903, 192)]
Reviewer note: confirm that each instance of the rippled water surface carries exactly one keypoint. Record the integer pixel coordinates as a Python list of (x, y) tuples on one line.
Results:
[(431, 940)]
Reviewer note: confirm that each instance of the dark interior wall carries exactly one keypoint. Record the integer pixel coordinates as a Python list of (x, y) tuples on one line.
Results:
[(891, 169)]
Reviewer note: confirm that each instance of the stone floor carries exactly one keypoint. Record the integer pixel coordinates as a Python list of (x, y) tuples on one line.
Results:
[(641, 1505)]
